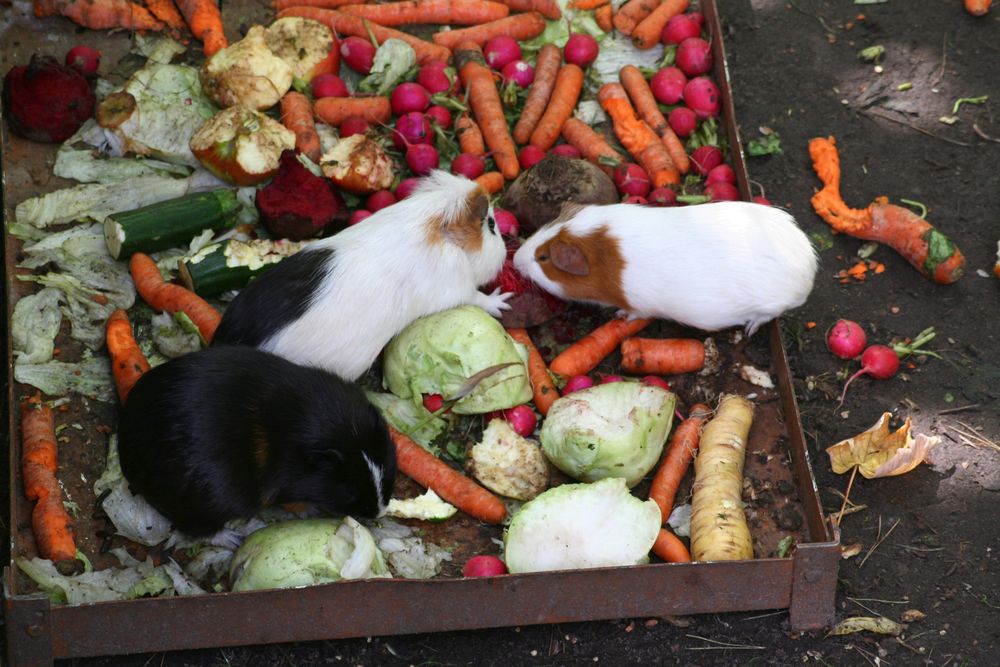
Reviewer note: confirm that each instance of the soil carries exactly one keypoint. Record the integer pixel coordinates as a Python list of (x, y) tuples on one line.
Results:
[(928, 540)]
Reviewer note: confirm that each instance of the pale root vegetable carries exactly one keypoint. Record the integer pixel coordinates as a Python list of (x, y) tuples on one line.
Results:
[(719, 528)]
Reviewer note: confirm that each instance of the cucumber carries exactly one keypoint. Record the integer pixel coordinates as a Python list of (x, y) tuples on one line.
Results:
[(167, 224), (231, 265)]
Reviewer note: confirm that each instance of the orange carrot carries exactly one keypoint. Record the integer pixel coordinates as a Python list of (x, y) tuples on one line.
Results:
[(172, 298), (282, 5), (668, 547), (547, 64), (470, 139), (591, 145), (448, 12), (547, 8), (628, 15), (297, 116), (50, 522), (492, 181), (978, 7), (205, 20), (584, 355), (588, 4), (646, 33), (924, 247), (429, 471), (565, 94), (519, 26), (637, 137), (677, 459), (487, 108), (639, 92), (128, 363), (604, 18), (99, 15), (333, 110), (166, 11), (542, 386), (662, 356)]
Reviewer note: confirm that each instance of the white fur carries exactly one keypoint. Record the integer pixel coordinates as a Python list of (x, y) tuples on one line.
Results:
[(710, 266), (384, 275)]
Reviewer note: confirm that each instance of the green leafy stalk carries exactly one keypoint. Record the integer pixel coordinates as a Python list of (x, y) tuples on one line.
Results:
[(968, 100)]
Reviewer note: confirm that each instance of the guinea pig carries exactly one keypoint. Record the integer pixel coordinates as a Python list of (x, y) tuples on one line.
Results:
[(338, 301), (221, 433), (711, 266)]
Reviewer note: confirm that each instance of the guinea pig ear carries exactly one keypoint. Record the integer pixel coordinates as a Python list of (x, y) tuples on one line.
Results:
[(569, 258), (320, 457)]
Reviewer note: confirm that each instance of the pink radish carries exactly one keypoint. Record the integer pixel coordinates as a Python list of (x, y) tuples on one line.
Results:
[(379, 200), (635, 199), (433, 402), (662, 197), (328, 85), (702, 96), (683, 121), (566, 150), (506, 222), (522, 419), (530, 155), (846, 339), (668, 85), (358, 215), (433, 76), (407, 97), (694, 56), (83, 59), (483, 566), (406, 187), (698, 17), (608, 379), (581, 49), (720, 173), (358, 54), (763, 201), (353, 125), (576, 383), (722, 191), (679, 28), (501, 50), (469, 165), (631, 179), (518, 71), (879, 361), (422, 158), (705, 158), (412, 128), (656, 381), (439, 115)]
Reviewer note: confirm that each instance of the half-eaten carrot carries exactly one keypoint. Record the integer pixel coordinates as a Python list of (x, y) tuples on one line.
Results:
[(128, 363), (171, 298)]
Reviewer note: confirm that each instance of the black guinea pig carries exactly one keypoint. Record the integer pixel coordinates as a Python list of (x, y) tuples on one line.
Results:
[(221, 433)]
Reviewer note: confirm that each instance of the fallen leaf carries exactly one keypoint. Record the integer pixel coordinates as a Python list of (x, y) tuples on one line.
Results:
[(879, 624), (911, 615), (850, 550), (878, 452)]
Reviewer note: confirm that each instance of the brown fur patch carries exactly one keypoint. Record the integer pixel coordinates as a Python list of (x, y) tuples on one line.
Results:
[(605, 266), (465, 231)]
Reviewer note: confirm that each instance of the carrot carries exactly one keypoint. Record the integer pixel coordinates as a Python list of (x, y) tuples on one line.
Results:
[(128, 363), (410, 12), (519, 26), (924, 247), (584, 355), (282, 5), (639, 92), (565, 94), (547, 64), (978, 7), (591, 145), (588, 4), (487, 108), (99, 15), (492, 181), (172, 298), (433, 473), (637, 137), (205, 20), (51, 523), (167, 12), (677, 459), (662, 356), (333, 110), (547, 8), (628, 15), (542, 386), (646, 33), (603, 17), (297, 116), (470, 139), (668, 547)]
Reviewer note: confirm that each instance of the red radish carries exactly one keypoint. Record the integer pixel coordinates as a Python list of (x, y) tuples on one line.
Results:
[(683, 121), (668, 85), (83, 59), (722, 191), (608, 379), (702, 96), (761, 200), (698, 17), (358, 215), (846, 339), (469, 165), (328, 85), (879, 361), (631, 179), (655, 381), (506, 222), (705, 158), (483, 566), (422, 158), (518, 71), (433, 76), (581, 49), (408, 97), (679, 28), (662, 197), (406, 187), (522, 419), (379, 200), (412, 128), (566, 150), (530, 155), (694, 56), (433, 402), (440, 116), (353, 125), (576, 383), (501, 50), (357, 53), (635, 199), (720, 173)]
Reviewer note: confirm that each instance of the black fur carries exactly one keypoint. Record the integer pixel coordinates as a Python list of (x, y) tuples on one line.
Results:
[(191, 429), (287, 290)]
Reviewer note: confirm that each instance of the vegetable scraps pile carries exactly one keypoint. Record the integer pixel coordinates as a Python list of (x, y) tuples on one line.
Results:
[(208, 176)]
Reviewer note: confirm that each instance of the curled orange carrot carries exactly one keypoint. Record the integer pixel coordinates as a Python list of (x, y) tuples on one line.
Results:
[(591, 144), (646, 33), (128, 363), (547, 63), (542, 386), (297, 116), (519, 26), (662, 356), (172, 298), (628, 15), (99, 15), (492, 181), (637, 137), (446, 12), (334, 110), (205, 20), (642, 97), (470, 139), (677, 459), (565, 94), (487, 108), (584, 355), (670, 548)]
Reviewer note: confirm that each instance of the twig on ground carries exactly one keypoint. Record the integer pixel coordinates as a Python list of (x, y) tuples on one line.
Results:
[(970, 436), (873, 112), (961, 408), (880, 540), (944, 60), (721, 645), (983, 135), (882, 601), (846, 494)]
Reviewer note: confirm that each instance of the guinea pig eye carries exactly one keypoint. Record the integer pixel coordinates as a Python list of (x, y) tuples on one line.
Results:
[(542, 257), (492, 224)]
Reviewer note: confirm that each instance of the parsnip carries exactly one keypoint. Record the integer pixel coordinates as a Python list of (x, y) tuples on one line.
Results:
[(718, 525)]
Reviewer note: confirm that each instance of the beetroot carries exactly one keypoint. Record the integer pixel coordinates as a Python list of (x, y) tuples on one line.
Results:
[(412, 128), (694, 56), (702, 96), (297, 204), (46, 101), (662, 197), (581, 49), (530, 155), (679, 28), (566, 150), (408, 97), (353, 125), (83, 59), (705, 158), (668, 85), (439, 115), (433, 76), (683, 121), (501, 50), (530, 305), (631, 179), (469, 165), (328, 85)]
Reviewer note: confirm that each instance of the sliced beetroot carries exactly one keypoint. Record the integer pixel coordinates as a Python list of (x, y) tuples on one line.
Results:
[(530, 305), (45, 100), (297, 204)]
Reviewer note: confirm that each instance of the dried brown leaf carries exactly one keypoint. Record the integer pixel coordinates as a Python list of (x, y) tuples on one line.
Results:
[(879, 452), (878, 624)]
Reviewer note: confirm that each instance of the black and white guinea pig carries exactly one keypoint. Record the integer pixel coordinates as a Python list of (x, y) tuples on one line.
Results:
[(221, 433), (336, 303), (711, 266)]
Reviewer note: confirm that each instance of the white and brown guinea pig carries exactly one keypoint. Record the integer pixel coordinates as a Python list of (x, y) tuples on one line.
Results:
[(337, 302), (711, 266)]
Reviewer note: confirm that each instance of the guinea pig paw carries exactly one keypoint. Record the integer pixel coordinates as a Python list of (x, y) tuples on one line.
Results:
[(227, 539), (626, 315), (495, 302)]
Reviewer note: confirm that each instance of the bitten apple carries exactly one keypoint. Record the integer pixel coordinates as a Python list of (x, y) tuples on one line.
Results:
[(359, 164), (241, 146), (246, 73), (308, 46)]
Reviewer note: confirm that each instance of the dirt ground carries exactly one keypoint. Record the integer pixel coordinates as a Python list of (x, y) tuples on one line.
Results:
[(928, 539)]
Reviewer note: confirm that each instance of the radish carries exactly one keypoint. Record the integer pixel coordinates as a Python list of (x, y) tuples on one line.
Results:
[(668, 85), (635, 199), (358, 54), (530, 155), (506, 222), (581, 49), (522, 419), (631, 179), (722, 191), (608, 379), (422, 158), (679, 28), (433, 76), (764, 201), (721, 173), (83, 59), (353, 125), (879, 361), (379, 200), (698, 17), (440, 116), (576, 383), (412, 128), (655, 381), (518, 71), (358, 215), (407, 97), (846, 339), (566, 150), (328, 85), (483, 566), (406, 187), (702, 96), (433, 402), (469, 165), (501, 50), (683, 121), (694, 56), (705, 158), (662, 197)]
